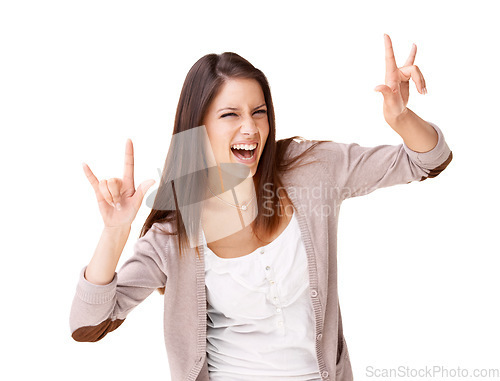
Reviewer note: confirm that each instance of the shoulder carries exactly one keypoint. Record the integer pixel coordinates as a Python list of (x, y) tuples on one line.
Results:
[(298, 146), (308, 161)]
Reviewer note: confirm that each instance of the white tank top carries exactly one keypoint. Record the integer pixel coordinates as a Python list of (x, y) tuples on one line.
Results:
[(260, 322)]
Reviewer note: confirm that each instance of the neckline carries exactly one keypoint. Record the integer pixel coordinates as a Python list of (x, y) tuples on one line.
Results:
[(270, 245)]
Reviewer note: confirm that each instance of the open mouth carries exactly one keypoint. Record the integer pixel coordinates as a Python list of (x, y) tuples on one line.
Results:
[(244, 154)]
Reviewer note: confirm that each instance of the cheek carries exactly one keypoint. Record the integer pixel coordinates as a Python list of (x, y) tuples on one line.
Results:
[(265, 133), (221, 148), (217, 142)]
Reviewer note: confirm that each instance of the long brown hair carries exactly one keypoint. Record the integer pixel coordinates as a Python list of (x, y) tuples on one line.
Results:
[(202, 84)]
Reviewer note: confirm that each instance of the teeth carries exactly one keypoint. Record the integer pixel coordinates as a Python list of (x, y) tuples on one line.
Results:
[(247, 147)]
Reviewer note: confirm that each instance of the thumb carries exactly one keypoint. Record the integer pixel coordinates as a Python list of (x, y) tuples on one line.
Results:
[(141, 191), (385, 90)]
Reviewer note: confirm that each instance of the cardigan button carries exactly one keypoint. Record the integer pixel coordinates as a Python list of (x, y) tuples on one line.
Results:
[(199, 359), (320, 336), (324, 374), (314, 293)]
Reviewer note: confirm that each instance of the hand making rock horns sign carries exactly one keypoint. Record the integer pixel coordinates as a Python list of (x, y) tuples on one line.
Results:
[(397, 88), (118, 199)]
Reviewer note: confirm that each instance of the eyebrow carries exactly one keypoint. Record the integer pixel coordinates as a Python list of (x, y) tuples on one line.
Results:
[(235, 108)]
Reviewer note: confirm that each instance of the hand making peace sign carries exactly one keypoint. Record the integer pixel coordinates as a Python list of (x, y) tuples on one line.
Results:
[(118, 199), (396, 90)]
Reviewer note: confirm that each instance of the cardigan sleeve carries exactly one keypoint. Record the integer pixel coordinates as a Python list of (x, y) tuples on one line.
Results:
[(99, 309), (359, 170)]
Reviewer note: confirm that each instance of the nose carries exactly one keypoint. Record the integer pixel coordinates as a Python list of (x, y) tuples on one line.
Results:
[(248, 126)]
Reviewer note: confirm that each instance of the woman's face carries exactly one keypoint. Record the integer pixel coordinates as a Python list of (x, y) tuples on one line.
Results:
[(238, 116)]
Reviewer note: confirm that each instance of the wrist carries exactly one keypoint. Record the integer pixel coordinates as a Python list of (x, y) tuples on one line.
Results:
[(117, 230), (398, 122)]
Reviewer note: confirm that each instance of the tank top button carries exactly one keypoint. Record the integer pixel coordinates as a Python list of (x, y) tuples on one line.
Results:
[(324, 374)]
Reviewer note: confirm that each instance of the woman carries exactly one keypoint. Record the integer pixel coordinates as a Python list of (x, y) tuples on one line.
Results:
[(239, 240)]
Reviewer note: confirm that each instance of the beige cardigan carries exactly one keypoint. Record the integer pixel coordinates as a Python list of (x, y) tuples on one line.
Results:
[(343, 171)]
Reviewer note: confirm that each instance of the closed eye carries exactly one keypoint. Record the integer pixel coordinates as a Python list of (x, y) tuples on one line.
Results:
[(263, 111)]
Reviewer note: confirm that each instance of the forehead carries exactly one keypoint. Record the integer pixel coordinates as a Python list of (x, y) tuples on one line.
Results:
[(237, 91)]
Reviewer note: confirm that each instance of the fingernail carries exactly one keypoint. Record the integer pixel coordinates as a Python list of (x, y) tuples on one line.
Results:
[(425, 90), (113, 205), (118, 206)]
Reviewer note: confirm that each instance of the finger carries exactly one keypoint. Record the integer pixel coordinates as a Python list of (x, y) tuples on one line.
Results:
[(128, 173), (415, 74), (93, 181), (141, 191), (390, 60), (114, 186), (411, 57), (103, 188)]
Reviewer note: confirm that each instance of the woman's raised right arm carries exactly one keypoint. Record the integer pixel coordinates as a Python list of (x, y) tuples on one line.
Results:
[(103, 297), (118, 203)]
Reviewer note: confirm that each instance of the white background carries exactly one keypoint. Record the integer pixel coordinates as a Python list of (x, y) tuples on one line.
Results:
[(418, 263)]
